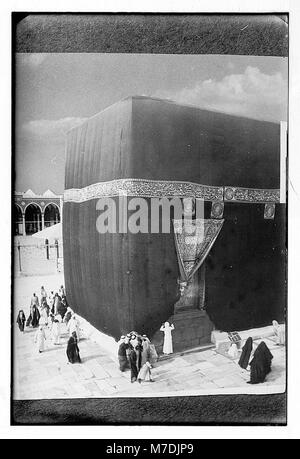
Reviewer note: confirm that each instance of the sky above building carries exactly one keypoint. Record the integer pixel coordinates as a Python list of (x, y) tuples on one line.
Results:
[(55, 92)]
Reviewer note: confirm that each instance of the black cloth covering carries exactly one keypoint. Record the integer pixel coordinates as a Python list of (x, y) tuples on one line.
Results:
[(260, 364), (73, 350), (246, 353)]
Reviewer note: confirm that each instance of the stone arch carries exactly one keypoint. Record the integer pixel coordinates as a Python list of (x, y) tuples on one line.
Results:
[(33, 218), (51, 214), (34, 204), (18, 220)]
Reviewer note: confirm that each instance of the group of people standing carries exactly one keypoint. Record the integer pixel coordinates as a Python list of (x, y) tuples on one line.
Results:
[(259, 361), (48, 315), (136, 353)]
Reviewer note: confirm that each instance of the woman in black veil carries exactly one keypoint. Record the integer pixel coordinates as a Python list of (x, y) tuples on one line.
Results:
[(246, 353), (73, 349), (260, 364), (34, 317), (21, 319)]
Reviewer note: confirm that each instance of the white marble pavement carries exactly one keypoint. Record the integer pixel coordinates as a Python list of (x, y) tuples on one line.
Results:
[(48, 375)]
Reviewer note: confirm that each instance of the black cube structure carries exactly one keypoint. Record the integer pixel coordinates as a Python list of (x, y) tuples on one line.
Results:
[(148, 147)]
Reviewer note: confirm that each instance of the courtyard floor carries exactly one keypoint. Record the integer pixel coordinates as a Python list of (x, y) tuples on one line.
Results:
[(48, 375)]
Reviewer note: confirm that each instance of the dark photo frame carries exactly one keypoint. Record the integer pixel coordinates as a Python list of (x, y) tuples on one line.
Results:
[(239, 34)]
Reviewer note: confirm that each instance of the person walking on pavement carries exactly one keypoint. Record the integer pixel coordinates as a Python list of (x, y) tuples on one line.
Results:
[(40, 338), (21, 320), (34, 301), (73, 350)]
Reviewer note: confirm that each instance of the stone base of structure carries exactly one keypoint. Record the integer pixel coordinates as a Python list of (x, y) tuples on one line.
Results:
[(193, 328)]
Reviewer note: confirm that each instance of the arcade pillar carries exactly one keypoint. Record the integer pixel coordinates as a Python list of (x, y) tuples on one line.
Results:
[(23, 225)]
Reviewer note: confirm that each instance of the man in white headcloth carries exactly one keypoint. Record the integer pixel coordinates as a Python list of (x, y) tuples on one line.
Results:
[(133, 340), (43, 294), (73, 326), (279, 332), (44, 314), (168, 344), (146, 350), (51, 302), (121, 340), (34, 301), (68, 315), (62, 292), (40, 338), (55, 331), (233, 351)]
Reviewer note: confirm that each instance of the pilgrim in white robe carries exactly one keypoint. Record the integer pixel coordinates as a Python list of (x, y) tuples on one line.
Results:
[(51, 302), (233, 351), (73, 326), (279, 332), (168, 344), (145, 373), (55, 331), (40, 338)]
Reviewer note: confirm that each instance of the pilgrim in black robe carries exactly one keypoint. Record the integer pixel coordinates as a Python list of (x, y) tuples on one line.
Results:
[(132, 363), (139, 352), (260, 364), (246, 353), (34, 317), (21, 320), (122, 356), (73, 350)]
